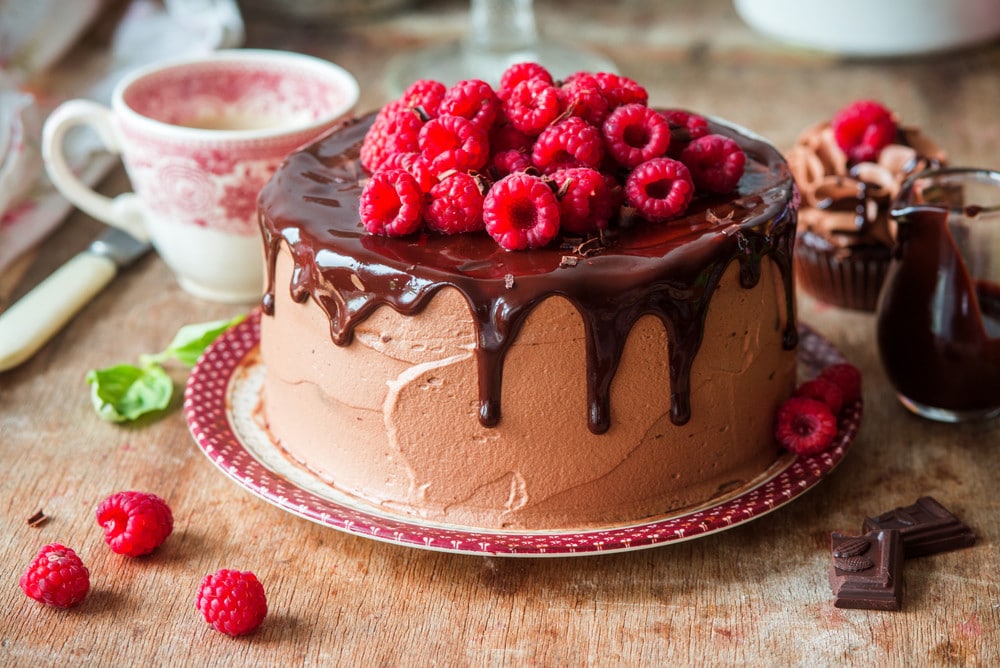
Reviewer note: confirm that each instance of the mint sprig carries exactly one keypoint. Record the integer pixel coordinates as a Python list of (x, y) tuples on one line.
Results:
[(124, 392)]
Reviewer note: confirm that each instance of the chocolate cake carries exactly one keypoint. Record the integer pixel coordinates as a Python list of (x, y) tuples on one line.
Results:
[(590, 382)]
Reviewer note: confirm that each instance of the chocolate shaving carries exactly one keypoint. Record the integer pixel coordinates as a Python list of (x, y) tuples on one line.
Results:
[(508, 281), (38, 519), (591, 246), (421, 113), (569, 261), (716, 220), (564, 188), (482, 183)]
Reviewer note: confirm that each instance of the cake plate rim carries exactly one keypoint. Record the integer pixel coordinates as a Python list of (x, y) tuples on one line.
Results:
[(223, 429)]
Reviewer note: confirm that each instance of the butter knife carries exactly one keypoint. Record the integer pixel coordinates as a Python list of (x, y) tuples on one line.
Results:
[(30, 322)]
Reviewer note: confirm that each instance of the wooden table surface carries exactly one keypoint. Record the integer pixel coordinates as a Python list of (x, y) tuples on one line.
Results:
[(755, 594)]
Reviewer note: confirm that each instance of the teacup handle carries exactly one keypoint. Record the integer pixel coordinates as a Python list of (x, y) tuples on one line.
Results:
[(123, 211)]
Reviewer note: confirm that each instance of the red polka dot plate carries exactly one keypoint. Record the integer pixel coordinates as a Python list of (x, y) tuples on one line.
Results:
[(222, 395)]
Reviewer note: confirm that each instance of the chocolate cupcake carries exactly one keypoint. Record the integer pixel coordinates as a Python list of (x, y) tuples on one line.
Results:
[(848, 170)]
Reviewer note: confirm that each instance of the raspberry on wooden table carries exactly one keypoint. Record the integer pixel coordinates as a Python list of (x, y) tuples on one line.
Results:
[(135, 523), (521, 211), (232, 602), (56, 577)]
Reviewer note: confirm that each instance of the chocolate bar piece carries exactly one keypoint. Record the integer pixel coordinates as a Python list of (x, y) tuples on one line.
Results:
[(867, 571), (926, 527)]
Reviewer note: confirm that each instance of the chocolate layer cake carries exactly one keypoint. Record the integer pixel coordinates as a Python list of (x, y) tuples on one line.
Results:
[(576, 385)]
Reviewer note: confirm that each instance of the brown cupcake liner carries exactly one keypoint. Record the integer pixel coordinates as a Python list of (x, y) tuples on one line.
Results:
[(851, 282)]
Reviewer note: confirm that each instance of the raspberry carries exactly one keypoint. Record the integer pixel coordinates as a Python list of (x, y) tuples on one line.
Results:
[(504, 137), (232, 602), (531, 106), (716, 163), (634, 133), (684, 127), (455, 205), (396, 129), (570, 143), (862, 129), (585, 203), (472, 99), (659, 189), (56, 577), (414, 163), (581, 96), (507, 162), (521, 211), (453, 142), (847, 377), (823, 390), (424, 95), (135, 523), (390, 203), (805, 426), (619, 90), (519, 72)]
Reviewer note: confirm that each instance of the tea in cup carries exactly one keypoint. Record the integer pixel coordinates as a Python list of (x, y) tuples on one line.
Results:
[(199, 138)]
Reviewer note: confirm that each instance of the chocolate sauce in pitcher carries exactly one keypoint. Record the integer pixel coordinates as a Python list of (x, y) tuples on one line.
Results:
[(938, 327)]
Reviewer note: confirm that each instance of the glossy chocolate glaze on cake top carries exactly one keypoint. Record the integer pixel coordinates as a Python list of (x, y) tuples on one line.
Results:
[(667, 270)]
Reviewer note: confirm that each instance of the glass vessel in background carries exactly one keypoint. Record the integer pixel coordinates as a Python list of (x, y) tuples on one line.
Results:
[(501, 33), (938, 317)]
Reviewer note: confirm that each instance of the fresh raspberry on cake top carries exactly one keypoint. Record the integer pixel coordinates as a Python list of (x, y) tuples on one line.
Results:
[(521, 211)]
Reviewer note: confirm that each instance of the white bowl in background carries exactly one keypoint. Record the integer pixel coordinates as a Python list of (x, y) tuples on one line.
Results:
[(875, 27)]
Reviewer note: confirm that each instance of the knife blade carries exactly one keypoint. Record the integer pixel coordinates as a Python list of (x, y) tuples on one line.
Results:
[(31, 321)]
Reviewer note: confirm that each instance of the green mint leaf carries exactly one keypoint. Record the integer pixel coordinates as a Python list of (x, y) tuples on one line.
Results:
[(124, 392), (192, 340)]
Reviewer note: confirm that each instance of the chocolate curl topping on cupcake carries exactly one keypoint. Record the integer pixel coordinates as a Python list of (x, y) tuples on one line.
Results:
[(846, 200)]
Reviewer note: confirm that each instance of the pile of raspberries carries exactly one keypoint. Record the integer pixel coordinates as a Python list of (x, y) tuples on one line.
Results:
[(536, 158)]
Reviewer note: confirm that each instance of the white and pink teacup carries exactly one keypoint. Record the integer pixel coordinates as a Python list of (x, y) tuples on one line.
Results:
[(199, 138)]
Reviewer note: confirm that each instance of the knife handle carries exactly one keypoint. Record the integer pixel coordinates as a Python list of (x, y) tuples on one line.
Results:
[(30, 322)]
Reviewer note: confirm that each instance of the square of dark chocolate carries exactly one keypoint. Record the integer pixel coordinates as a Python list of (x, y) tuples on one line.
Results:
[(926, 527), (866, 572)]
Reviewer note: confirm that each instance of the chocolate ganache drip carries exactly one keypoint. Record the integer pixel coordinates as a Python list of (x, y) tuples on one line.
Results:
[(667, 270)]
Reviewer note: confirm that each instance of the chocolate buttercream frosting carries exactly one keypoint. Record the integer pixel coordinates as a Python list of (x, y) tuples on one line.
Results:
[(636, 268)]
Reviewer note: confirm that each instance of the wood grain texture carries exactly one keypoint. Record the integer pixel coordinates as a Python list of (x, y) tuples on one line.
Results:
[(757, 594)]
